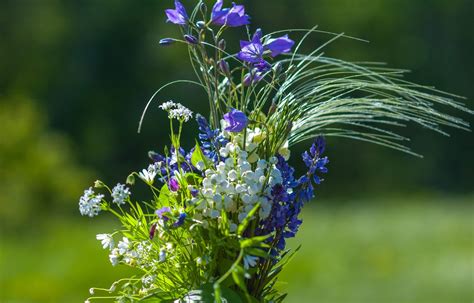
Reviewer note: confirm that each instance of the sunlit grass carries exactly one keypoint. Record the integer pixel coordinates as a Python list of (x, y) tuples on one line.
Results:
[(403, 251)]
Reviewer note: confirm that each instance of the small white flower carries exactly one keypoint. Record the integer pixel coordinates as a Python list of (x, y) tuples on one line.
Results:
[(124, 245), (114, 257), (162, 255), (91, 291), (166, 106), (147, 175), (200, 165), (120, 193), (89, 203), (250, 261), (106, 240)]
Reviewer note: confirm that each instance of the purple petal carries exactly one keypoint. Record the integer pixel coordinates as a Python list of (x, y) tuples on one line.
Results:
[(181, 9), (236, 121), (235, 20), (177, 15), (280, 45)]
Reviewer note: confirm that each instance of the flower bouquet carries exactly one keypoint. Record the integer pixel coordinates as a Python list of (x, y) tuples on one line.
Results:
[(215, 225)]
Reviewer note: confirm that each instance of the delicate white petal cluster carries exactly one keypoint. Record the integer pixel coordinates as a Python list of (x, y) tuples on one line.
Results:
[(148, 175), (120, 193), (89, 203), (177, 111), (236, 186), (106, 240)]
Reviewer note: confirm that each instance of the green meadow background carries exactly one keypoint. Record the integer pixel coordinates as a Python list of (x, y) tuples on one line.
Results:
[(75, 76)]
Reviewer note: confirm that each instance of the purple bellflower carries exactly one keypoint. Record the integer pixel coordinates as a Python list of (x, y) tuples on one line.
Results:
[(162, 211), (236, 121), (177, 15), (253, 51), (233, 17)]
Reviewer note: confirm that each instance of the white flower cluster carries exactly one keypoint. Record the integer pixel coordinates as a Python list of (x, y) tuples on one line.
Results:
[(120, 193), (177, 111), (236, 187), (89, 203)]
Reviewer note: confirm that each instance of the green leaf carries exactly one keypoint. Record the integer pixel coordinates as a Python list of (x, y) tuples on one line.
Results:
[(239, 279), (158, 297), (198, 156), (243, 226), (165, 196)]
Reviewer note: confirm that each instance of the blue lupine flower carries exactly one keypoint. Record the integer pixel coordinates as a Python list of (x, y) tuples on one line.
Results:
[(211, 140), (232, 17), (236, 121), (177, 15), (315, 164), (180, 221)]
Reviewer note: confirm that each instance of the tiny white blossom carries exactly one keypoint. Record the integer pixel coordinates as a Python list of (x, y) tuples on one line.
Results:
[(120, 193), (148, 175), (162, 255), (106, 240), (114, 257), (124, 245), (89, 203), (250, 261), (166, 106)]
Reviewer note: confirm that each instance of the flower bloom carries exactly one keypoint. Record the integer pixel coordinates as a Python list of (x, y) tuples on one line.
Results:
[(252, 51), (164, 210), (232, 17), (89, 203), (177, 15), (106, 240), (236, 121), (120, 193)]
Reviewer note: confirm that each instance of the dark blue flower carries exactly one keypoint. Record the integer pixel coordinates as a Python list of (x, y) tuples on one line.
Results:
[(236, 121), (177, 15), (232, 17), (191, 39), (211, 139), (180, 221)]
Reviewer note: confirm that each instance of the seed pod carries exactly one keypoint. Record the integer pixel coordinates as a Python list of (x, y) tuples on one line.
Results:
[(221, 44)]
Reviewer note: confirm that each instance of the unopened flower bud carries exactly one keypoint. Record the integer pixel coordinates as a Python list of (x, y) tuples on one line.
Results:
[(201, 24), (247, 80), (99, 184), (167, 41), (222, 44), (191, 39), (203, 8), (152, 231), (277, 68), (224, 66), (130, 179), (289, 127)]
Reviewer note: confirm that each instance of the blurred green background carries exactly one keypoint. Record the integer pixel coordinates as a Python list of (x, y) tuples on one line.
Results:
[(75, 76)]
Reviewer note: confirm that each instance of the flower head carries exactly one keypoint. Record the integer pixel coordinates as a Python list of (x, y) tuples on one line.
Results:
[(280, 45), (177, 111), (252, 51), (148, 175), (120, 193), (89, 203), (236, 121), (233, 17), (173, 185), (106, 240), (162, 211), (177, 15)]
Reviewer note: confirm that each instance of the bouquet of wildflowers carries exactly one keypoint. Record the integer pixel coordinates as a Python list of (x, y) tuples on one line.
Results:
[(215, 226)]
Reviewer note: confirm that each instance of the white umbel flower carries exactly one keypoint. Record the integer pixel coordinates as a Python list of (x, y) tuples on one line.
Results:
[(177, 111), (89, 203), (120, 193)]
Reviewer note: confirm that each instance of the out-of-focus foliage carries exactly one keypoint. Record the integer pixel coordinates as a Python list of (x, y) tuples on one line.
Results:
[(39, 176)]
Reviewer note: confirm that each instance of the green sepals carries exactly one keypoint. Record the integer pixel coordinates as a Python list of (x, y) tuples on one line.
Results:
[(243, 226), (198, 156), (254, 242), (130, 179), (224, 223)]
